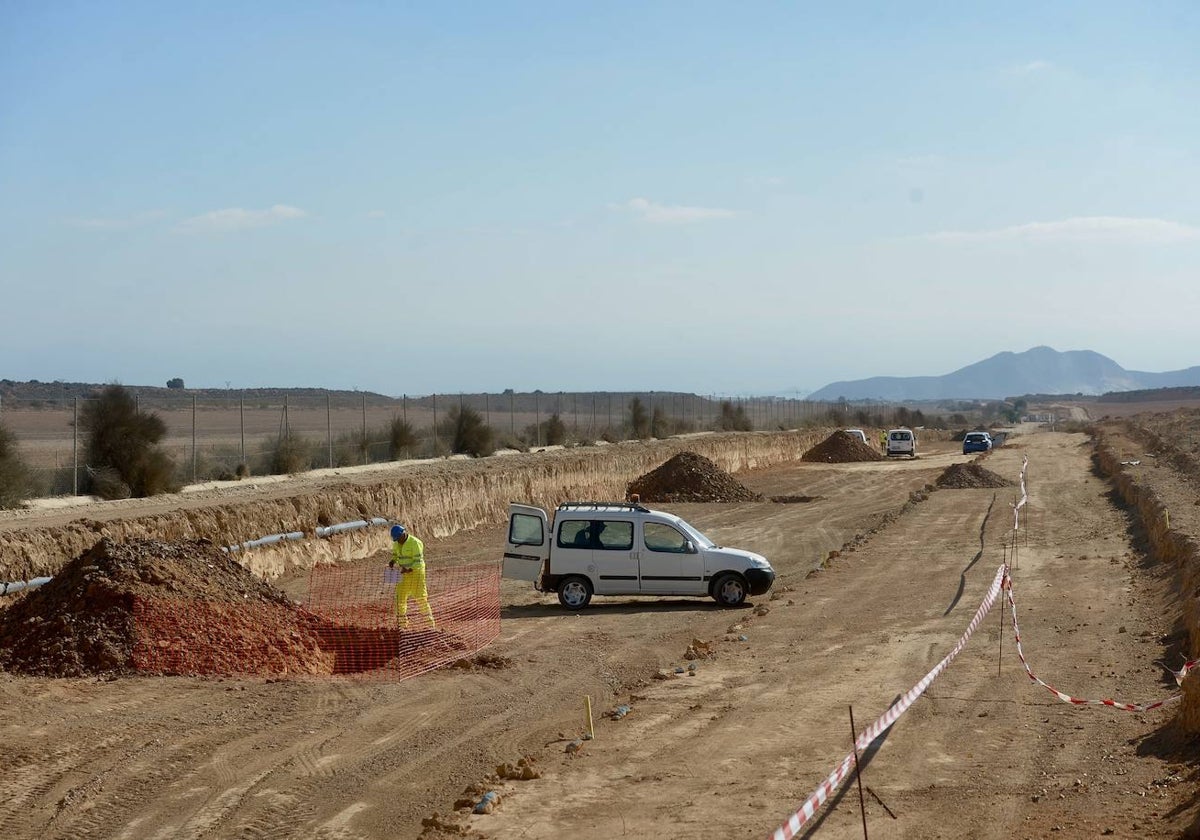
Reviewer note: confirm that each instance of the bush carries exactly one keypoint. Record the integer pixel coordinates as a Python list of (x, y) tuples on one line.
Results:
[(401, 438), (733, 418), (291, 453), (551, 432), (121, 447), (469, 435), (639, 419), (14, 475)]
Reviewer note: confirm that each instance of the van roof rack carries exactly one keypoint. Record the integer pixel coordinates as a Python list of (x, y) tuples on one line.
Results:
[(623, 505)]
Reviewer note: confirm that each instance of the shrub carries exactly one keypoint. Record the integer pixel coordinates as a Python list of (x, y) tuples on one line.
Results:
[(639, 419), (469, 435), (401, 438), (660, 426), (291, 453), (14, 475), (122, 447), (733, 418)]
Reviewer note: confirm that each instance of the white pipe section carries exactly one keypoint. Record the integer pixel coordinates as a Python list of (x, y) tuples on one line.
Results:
[(350, 526), (15, 586)]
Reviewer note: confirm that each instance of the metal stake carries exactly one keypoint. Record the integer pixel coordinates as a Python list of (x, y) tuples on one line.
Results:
[(862, 805)]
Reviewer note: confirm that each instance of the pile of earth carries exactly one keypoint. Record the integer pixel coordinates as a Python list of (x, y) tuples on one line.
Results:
[(841, 448), (970, 476), (688, 477), (159, 607)]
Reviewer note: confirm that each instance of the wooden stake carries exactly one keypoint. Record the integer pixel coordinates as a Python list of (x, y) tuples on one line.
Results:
[(862, 805), (588, 706)]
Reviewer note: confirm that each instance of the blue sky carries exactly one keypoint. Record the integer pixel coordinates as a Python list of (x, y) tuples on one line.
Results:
[(718, 198)]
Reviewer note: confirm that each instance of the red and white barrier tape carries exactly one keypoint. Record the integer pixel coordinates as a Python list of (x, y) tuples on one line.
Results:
[(818, 798), (1024, 497), (1079, 701)]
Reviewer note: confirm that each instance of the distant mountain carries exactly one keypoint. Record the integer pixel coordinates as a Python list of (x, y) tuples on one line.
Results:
[(1040, 370)]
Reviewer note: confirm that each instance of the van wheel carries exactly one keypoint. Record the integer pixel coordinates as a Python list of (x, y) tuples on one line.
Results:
[(575, 592), (729, 590)]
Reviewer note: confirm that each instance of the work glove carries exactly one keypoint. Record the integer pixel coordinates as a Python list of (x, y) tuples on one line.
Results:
[(391, 564)]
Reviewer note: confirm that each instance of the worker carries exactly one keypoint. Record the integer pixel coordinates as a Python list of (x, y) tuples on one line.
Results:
[(883, 440), (408, 555)]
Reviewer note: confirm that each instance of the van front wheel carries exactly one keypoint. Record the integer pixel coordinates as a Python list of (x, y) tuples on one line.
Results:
[(575, 592), (729, 590)]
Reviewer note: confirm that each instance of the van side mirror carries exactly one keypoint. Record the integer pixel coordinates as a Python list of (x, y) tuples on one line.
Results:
[(689, 547)]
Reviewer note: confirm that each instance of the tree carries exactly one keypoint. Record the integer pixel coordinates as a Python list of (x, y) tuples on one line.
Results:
[(469, 434), (14, 475), (175, 384), (121, 447), (401, 438), (639, 419), (733, 418)]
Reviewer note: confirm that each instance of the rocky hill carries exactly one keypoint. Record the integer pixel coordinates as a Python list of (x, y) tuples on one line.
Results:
[(1038, 370)]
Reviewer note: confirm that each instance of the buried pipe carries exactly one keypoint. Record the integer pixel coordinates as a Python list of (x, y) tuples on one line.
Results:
[(341, 527), (273, 538), (16, 586)]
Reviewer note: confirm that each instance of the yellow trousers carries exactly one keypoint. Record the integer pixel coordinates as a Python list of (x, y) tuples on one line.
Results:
[(412, 585)]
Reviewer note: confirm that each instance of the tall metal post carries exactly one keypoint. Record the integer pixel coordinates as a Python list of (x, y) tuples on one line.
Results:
[(435, 434), (512, 413), (329, 429), (242, 424), (537, 416), (487, 409), (75, 451), (366, 447), (193, 438)]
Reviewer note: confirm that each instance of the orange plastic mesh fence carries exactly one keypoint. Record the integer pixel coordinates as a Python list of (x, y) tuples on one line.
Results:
[(348, 626)]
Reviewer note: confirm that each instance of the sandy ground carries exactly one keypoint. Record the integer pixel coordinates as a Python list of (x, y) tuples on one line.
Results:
[(728, 752)]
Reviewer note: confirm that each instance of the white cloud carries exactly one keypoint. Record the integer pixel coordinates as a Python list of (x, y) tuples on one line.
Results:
[(649, 211), (1036, 66), (238, 218), (1093, 229)]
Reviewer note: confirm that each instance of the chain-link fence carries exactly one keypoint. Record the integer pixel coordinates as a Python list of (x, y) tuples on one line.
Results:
[(227, 436)]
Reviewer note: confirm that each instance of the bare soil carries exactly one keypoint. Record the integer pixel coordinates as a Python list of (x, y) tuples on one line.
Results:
[(689, 477), (727, 748)]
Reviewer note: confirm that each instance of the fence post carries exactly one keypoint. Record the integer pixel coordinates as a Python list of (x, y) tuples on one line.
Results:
[(193, 438), (537, 416), (366, 446), (242, 424), (435, 434), (329, 430), (512, 413), (487, 408), (75, 451)]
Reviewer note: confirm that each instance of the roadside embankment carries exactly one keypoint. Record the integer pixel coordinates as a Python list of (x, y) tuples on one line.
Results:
[(1169, 545), (435, 498)]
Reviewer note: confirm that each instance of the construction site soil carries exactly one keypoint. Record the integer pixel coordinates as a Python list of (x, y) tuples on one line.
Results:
[(725, 744), (688, 477), (969, 476), (842, 448), (86, 622)]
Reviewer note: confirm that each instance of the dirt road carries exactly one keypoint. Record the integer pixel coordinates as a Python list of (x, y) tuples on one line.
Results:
[(728, 752)]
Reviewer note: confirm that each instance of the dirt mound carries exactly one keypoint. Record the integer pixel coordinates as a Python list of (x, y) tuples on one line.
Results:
[(841, 448), (970, 476), (156, 606), (688, 477)]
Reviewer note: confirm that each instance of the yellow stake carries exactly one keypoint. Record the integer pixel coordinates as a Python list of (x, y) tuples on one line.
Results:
[(590, 729)]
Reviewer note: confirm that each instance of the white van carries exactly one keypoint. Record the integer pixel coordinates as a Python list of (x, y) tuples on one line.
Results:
[(902, 442), (600, 548)]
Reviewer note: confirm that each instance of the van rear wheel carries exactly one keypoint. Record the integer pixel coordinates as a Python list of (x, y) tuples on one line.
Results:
[(575, 592), (730, 590)]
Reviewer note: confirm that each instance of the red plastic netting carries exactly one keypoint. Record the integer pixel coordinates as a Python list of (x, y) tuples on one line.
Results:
[(347, 625)]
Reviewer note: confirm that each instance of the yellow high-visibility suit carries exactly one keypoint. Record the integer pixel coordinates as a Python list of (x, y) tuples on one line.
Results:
[(409, 557)]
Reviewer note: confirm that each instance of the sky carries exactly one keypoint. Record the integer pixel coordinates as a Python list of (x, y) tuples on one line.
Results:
[(718, 198)]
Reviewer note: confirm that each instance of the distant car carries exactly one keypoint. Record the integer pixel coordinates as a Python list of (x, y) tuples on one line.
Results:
[(858, 433), (901, 442), (977, 442)]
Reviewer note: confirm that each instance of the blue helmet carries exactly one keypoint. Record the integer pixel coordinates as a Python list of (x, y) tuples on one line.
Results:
[(398, 531)]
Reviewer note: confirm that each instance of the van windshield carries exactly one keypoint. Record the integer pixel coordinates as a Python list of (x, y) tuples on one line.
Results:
[(699, 539)]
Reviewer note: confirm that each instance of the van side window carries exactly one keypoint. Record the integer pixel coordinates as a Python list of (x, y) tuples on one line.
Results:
[(575, 533), (660, 537), (615, 536), (525, 530)]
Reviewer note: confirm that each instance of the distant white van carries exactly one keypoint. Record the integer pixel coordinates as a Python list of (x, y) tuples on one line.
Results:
[(902, 442), (599, 548), (856, 433)]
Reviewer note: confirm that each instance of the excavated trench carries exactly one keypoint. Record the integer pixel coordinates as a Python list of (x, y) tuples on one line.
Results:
[(437, 498)]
